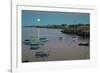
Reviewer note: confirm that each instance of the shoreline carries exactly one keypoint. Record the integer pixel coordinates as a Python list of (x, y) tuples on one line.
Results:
[(82, 30)]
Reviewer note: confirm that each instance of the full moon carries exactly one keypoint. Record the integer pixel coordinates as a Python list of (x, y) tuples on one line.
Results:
[(38, 20)]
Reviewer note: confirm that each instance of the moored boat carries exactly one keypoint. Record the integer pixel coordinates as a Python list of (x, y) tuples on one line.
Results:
[(27, 42), (83, 44), (41, 54)]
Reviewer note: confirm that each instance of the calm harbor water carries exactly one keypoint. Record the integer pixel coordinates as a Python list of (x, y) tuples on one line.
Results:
[(60, 46)]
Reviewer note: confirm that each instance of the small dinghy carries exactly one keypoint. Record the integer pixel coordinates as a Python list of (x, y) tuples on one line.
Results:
[(43, 40), (73, 36), (60, 38), (34, 46), (41, 54), (83, 44), (26, 61), (27, 42)]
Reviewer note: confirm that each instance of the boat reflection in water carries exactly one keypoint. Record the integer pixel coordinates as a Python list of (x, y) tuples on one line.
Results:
[(62, 46), (35, 44)]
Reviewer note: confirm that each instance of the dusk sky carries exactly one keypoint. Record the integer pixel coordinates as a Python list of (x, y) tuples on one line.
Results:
[(31, 18)]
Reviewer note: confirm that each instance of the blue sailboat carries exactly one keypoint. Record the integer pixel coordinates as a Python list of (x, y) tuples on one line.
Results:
[(43, 40), (27, 42)]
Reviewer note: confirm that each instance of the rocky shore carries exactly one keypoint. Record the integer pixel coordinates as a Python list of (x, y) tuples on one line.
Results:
[(83, 31)]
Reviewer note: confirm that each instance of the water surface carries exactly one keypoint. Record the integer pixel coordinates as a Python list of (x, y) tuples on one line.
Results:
[(66, 48)]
